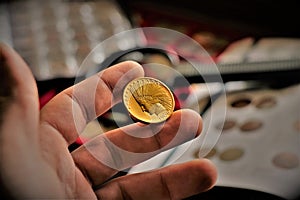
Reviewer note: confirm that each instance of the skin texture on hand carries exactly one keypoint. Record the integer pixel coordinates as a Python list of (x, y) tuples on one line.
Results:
[(35, 162)]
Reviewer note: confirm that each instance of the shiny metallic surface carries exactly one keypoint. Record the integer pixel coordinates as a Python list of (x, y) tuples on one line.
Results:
[(148, 100)]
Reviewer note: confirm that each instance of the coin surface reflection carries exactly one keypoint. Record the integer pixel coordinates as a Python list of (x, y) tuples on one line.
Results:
[(148, 100)]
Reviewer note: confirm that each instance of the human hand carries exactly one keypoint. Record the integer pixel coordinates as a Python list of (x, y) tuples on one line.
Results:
[(35, 160)]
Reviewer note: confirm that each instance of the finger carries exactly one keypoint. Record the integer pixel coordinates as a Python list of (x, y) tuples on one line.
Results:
[(21, 155), (172, 182), (72, 109), (18, 93), (119, 149), (17, 73)]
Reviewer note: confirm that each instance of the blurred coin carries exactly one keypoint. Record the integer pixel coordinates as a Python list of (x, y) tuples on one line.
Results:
[(286, 160), (251, 125), (231, 154), (266, 102), (148, 100), (228, 124)]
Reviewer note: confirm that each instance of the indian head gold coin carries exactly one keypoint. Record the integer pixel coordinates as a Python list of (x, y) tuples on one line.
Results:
[(148, 100)]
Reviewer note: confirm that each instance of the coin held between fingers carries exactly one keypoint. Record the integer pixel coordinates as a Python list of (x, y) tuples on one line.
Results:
[(148, 100)]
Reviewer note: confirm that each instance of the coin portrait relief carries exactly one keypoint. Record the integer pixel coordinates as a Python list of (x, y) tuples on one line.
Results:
[(148, 100)]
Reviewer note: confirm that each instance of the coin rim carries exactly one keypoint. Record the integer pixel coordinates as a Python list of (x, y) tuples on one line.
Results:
[(163, 84)]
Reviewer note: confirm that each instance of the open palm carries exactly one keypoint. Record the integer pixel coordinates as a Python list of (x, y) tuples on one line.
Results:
[(35, 160)]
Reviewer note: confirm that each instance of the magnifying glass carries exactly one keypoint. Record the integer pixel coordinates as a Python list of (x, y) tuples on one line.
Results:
[(139, 45)]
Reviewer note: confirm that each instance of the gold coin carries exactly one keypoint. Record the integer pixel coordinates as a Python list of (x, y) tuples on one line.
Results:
[(148, 100)]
